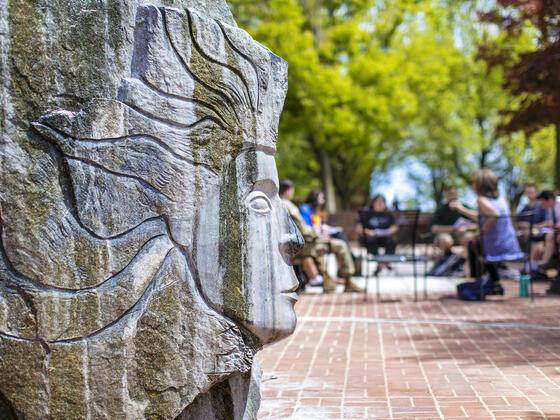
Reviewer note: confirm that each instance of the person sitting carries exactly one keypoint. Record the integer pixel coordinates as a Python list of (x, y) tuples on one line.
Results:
[(314, 278), (376, 227), (549, 259), (313, 211), (499, 238), (317, 246), (449, 226), (541, 221)]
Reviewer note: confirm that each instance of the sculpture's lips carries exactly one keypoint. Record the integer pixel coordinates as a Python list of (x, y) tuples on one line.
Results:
[(291, 295), (291, 289)]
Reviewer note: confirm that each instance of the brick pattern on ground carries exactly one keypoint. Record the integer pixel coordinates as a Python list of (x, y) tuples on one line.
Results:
[(434, 359)]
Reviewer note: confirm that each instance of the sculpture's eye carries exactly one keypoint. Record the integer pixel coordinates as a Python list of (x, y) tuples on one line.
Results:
[(258, 202)]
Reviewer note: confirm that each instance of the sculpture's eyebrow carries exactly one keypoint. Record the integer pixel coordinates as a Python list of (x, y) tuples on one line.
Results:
[(249, 146), (268, 186)]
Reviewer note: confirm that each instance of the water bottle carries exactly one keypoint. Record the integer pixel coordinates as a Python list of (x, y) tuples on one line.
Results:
[(524, 285)]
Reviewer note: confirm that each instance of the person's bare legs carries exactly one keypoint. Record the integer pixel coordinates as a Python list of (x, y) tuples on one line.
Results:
[(444, 242), (537, 252), (310, 268), (548, 247), (312, 272), (328, 283), (463, 240)]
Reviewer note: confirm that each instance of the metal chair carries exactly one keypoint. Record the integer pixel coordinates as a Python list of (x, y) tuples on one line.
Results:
[(483, 258), (412, 220)]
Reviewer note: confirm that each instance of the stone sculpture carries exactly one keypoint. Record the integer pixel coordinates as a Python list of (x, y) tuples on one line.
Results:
[(145, 253)]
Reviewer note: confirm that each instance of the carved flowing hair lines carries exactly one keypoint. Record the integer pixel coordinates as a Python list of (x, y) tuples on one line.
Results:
[(244, 97), (233, 92), (261, 79), (220, 120), (228, 105)]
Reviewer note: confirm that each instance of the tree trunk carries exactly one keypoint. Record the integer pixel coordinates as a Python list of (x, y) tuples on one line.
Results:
[(557, 162), (328, 184)]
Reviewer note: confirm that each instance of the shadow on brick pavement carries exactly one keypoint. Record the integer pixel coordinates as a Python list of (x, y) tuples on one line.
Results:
[(433, 359)]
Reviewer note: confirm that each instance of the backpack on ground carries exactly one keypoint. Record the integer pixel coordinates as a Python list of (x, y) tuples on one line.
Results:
[(470, 290)]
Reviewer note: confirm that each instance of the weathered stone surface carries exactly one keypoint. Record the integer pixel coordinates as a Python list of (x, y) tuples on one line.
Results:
[(144, 252), (237, 398)]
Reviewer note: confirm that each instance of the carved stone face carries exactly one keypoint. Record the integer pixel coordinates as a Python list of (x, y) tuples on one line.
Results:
[(144, 251), (255, 240), (190, 143)]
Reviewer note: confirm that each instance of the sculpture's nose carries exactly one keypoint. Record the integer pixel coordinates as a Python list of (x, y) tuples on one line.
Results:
[(291, 241)]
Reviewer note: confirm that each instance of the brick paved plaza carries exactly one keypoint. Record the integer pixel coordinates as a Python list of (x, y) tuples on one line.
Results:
[(435, 359)]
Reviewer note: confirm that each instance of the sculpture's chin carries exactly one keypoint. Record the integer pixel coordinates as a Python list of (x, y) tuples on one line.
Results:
[(276, 329)]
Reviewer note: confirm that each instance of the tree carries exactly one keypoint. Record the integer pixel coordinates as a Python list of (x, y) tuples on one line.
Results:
[(452, 132), (374, 82), (527, 159), (456, 127), (531, 75), (347, 104)]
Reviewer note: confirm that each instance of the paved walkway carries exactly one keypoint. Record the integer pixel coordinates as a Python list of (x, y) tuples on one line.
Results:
[(434, 359)]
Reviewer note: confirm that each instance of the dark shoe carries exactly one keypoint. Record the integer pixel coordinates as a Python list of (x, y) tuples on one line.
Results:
[(552, 263), (554, 288), (538, 276)]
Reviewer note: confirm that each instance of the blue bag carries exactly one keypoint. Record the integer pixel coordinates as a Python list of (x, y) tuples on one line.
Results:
[(470, 290)]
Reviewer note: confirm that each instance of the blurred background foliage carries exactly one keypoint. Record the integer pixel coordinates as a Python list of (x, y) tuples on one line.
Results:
[(376, 83)]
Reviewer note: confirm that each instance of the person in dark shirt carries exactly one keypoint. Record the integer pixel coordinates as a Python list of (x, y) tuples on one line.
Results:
[(449, 226), (376, 227), (542, 221), (547, 200), (541, 216)]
